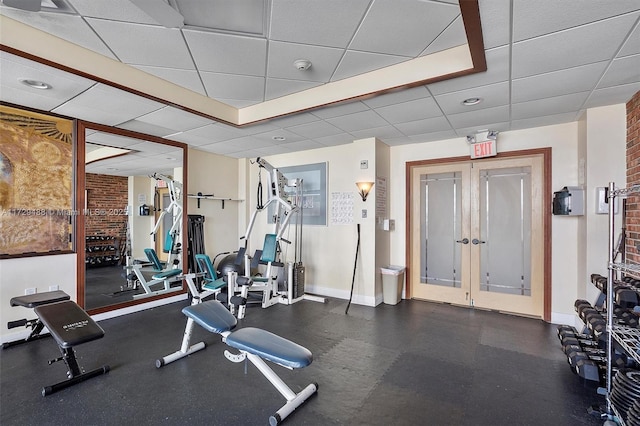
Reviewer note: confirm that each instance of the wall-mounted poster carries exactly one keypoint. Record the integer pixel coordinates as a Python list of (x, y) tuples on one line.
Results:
[(36, 183)]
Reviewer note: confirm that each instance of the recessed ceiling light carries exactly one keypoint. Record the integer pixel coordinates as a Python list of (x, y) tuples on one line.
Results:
[(471, 101), (35, 84), (302, 64), (279, 138)]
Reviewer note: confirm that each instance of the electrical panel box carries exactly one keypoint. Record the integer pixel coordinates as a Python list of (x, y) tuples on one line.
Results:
[(569, 201)]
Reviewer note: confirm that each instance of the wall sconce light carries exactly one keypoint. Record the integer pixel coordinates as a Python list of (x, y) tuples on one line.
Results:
[(364, 188)]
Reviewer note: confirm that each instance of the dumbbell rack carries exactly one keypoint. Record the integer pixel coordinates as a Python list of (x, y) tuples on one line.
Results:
[(627, 338)]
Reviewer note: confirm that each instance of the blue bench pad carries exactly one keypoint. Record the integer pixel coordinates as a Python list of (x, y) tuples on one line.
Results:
[(214, 285), (167, 274), (37, 299), (270, 347), (212, 316), (68, 323)]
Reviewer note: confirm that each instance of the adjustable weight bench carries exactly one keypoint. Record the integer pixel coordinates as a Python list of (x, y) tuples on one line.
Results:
[(31, 301), (256, 345), (70, 326)]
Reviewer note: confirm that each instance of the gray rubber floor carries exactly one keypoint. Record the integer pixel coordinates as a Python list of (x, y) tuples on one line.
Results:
[(415, 363)]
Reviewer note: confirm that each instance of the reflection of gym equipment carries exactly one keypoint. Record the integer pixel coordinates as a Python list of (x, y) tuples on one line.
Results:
[(163, 273), (31, 301), (285, 206), (255, 345)]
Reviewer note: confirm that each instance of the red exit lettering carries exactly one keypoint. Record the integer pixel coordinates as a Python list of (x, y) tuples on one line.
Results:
[(483, 149)]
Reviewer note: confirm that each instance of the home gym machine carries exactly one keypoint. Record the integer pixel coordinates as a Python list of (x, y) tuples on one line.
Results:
[(169, 272), (286, 198)]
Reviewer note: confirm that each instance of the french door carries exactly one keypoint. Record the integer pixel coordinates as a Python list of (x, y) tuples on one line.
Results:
[(478, 234)]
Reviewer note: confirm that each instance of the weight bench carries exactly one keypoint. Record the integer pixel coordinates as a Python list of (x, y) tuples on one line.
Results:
[(31, 301), (256, 345), (70, 326)]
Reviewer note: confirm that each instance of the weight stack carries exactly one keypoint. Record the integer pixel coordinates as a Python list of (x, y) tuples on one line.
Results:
[(296, 273)]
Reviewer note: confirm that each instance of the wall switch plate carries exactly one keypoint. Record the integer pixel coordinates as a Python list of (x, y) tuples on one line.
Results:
[(364, 164), (54, 287), (31, 290), (364, 213)]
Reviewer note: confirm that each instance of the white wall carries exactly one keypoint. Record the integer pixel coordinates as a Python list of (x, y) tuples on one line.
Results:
[(140, 227)]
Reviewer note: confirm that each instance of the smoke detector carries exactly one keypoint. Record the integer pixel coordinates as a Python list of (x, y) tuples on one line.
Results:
[(302, 64)]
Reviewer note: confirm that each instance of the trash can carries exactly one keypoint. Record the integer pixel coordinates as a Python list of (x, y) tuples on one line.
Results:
[(392, 280)]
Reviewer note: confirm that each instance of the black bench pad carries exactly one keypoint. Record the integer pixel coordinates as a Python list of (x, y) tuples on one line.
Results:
[(37, 299), (68, 323)]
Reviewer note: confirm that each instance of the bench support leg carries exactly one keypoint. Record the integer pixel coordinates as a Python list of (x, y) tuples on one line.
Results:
[(293, 400), (185, 349), (75, 373)]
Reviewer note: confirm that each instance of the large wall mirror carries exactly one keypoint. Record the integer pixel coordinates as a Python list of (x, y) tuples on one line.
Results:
[(131, 244)]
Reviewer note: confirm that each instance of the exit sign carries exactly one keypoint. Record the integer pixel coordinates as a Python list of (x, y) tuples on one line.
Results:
[(484, 149)]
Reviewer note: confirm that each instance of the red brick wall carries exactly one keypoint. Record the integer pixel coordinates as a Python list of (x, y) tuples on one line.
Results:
[(107, 199), (633, 178)]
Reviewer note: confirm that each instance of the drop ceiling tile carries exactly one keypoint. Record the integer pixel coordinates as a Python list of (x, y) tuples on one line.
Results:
[(146, 128), (548, 106), (579, 46), (612, 95), (217, 52), (354, 63), (632, 44), (175, 118), (454, 35), (622, 71), (188, 79), (63, 85), (255, 153), (113, 140), (247, 16), (295, 119), (535, 18), (428, 125), (377, 132), (403, 28), (334, 140), (492, 95), (479, 119), (339, 110), (228, 86), (327, 23), (113, 10), (324, 61), (563, 82), (548, 120), (303, 145), (214, 133), (144, 44), (410, 111), (150, 149), (67, 27), (277, 87), (398, 141), (189, 139), (471, 130), (498, 68), (315, 130), (358, 121), (268, 137), (496, 22), (106, 105), (435, 136), (397, 97), (260, 127), (273, 150)]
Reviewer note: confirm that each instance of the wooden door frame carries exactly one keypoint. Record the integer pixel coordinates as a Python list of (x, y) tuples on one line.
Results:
[(547, 194)]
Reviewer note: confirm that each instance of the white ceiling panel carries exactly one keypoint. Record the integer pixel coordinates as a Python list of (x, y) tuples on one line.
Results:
[(355, 63), (334, 140), (435, 136), (146, 128), (315, 130), (583, 45), (219, 52), (324, 23), (612, 95), (454, 35), (539, 17), (429, 125), (277, 87), (281, 57), (175, 118), (358, 121), (542, 121), (397, 97), (214, 133), (377, 132), (112, 10), (472, 129), (339, 110), (103, 104), (144, 44), (189, 79), (476, 119), (548, 106), (421, 23), (229, 86), (246, 16), (492, 95), (622, 71), (632, 45), (496, 22), (410, 111)]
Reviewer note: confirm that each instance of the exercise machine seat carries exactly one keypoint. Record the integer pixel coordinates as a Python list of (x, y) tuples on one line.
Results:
[(167, 274), (211, 280), (68, 323), (38, 299), (153, 259), (270, 347)]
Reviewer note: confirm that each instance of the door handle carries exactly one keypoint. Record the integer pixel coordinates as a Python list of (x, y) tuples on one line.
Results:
[(477, 241), (463, 241)]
